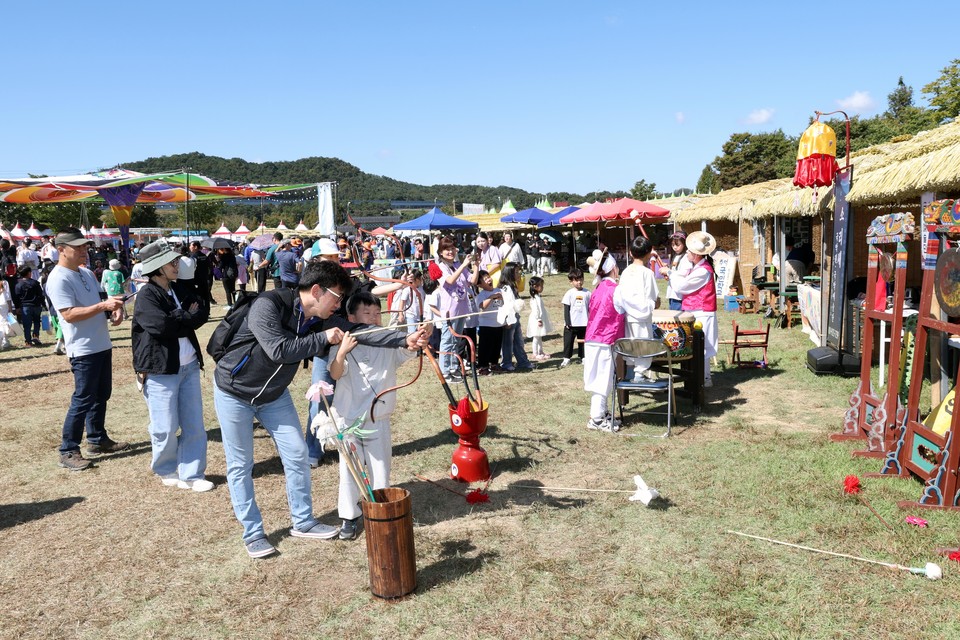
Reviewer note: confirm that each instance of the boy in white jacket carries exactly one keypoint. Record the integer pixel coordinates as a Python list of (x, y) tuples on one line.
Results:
[(637, 296), (368, 371)]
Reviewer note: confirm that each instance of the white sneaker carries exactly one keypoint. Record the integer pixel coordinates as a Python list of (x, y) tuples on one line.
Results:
[(564, 363), (170, 480), (197, 485)]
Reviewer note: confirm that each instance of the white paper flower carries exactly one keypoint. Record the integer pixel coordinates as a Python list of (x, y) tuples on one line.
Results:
[(644, 493), (934, 572)]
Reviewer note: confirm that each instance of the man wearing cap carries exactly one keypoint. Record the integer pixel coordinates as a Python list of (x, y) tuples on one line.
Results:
[(80, 303), (270, 261)]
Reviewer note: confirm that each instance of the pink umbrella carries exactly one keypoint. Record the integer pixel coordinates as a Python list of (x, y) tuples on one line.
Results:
[(622, 209)]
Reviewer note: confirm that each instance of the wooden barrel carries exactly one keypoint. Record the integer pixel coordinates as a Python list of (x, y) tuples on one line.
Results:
[(390, 552)]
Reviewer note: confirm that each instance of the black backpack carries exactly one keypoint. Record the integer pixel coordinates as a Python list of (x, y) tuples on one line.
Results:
[(223, 335)]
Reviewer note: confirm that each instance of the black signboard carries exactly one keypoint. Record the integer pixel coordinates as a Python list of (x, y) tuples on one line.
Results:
[(838, 266)]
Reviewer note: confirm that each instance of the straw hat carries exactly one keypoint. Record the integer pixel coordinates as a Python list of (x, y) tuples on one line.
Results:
[(701, 243), (601, 261)]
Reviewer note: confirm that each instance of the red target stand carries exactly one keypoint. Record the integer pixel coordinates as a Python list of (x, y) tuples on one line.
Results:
[(469, 463)]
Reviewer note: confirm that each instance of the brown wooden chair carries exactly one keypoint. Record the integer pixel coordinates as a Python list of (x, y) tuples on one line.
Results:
[(757, 338)]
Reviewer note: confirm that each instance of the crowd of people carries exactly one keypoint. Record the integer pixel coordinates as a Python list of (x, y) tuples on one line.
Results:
[(355, 331)]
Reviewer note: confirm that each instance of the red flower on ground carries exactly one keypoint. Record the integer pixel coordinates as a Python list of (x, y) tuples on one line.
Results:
[(851, 484), (476, 496), (955, 556)]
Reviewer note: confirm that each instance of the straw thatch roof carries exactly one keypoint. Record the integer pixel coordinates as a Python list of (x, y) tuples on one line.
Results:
[(491, 222), (928, 161), (729, 204)]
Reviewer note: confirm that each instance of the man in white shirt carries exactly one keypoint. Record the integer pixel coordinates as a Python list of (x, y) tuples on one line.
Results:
[(81, 304)]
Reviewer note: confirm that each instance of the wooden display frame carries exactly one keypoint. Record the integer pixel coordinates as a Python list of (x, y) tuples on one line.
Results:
[(919, 451), (870, 417)]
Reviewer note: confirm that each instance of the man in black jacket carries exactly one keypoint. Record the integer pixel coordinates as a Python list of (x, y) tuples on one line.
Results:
[(202, 274), (284, 327)]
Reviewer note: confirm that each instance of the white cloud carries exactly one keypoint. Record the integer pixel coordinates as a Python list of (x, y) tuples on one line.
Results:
[(760, 116), (858, 102), (385, 153), (680, 116)]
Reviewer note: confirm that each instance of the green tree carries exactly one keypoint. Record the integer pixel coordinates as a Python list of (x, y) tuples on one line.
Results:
[(643, 190), (709, 181), (899, 100), (200, 215), (944, 92), (749, 158)]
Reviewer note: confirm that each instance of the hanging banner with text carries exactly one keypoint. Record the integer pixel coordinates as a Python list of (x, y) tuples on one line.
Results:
[(838, 264)]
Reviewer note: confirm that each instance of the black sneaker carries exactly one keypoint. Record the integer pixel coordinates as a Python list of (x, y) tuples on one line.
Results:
[(454, 376), (350, 529), (106, 445), (74, 461)]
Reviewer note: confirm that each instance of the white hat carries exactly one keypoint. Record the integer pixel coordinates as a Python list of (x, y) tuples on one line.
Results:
[(701, 243), (114, 265), (325, 247)]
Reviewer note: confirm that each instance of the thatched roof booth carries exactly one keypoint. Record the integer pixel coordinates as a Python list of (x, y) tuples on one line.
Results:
[(491, 222), (900, 171)]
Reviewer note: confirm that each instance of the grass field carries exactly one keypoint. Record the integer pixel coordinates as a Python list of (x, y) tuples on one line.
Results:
[(110, 552)]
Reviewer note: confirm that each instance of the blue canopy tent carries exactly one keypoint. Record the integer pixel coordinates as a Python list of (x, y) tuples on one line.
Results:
[(554, 220), (533, 215), (434, 220)]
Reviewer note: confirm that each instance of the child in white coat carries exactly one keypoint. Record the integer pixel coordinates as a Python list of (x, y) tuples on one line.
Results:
[(538, 324), (368, 371)]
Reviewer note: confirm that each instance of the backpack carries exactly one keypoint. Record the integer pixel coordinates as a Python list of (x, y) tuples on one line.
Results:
[(223, 335)]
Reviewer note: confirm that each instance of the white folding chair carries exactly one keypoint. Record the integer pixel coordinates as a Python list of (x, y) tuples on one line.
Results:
[(645, 348)]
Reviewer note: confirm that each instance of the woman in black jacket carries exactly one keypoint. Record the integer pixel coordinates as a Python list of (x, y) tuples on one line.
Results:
[(168, 360)]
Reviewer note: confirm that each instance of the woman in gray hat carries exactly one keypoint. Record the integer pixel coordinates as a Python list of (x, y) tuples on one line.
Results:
[(168, 360)]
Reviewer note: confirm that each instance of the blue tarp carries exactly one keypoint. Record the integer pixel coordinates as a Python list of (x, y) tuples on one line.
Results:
[(555, 218), (435, 219), (532, 215)]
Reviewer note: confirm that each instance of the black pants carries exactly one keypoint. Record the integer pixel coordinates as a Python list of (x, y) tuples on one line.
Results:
[(488, 351), (570, 334), (464, 348), (261, 276)]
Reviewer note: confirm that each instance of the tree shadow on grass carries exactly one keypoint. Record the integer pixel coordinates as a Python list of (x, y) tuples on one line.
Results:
[(32, 376), (443, 438), (12, 515), (454, 563)]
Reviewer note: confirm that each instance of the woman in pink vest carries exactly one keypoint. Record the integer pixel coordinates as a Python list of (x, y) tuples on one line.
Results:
[(604, 327), (698, 290)]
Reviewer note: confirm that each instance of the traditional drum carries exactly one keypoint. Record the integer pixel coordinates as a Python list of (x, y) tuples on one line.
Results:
[(677, 328)]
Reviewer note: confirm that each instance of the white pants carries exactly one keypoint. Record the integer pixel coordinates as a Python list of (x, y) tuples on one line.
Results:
[(598, 376), (375, 451)]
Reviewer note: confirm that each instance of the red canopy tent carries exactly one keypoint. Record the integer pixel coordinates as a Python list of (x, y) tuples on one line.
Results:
[(622, 209)]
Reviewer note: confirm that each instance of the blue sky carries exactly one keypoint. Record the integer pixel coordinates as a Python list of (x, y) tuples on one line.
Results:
[(544, 96)]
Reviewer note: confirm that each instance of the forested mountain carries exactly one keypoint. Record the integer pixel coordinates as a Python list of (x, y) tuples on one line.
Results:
[(367, 193)]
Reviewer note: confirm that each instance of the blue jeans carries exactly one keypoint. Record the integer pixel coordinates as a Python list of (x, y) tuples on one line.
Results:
[(320, 372), (281, 421), (175, 402), (512, 347), (449, 343), (93, 381), (30, 316), (675, 304)]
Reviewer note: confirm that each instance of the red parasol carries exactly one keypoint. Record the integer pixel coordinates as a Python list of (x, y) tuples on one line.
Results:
[(622, 209)]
